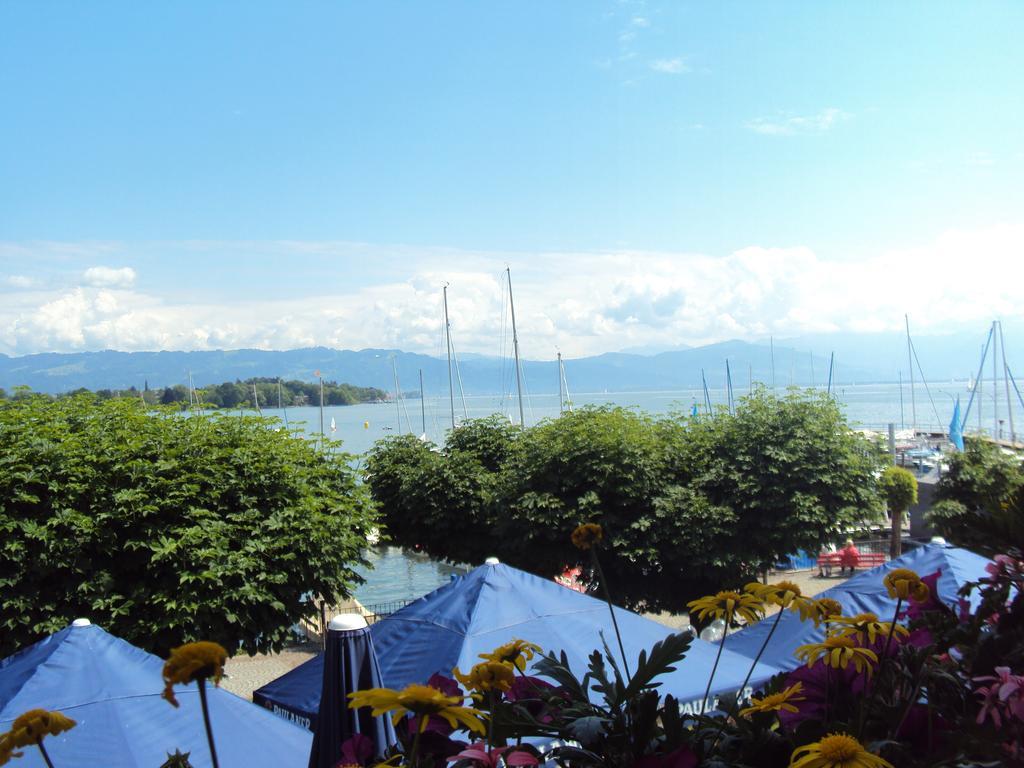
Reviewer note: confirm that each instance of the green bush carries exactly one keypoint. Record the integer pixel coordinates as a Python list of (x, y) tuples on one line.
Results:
[(165, 528), (686, 504)]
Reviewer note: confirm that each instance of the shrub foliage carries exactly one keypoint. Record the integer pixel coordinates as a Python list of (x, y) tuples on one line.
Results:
[(686, 503), (166, 528)]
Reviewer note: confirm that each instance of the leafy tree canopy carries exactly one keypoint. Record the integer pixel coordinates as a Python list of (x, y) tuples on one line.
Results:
[(980, 499), (686, 504), (899, 488), (165, 528)]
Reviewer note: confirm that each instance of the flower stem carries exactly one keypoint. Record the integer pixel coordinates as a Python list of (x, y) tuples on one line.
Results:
[(416, 743), (892, 627), (721, 645), (611, 610), (764, 645), (743, 687), (46, 757), (490, 721), (206, 721)]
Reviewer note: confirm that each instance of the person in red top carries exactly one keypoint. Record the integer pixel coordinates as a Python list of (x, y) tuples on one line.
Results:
[(849, 557)]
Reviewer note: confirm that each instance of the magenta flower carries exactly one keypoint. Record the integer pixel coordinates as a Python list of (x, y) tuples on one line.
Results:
[(355, 750)]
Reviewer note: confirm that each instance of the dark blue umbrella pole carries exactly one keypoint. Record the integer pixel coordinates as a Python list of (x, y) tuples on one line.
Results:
[(350, 665)]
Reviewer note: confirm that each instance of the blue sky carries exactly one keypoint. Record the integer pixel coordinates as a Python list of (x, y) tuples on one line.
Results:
[(277, 174)]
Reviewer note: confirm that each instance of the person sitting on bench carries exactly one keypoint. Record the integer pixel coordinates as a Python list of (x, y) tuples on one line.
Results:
[(849, 557)]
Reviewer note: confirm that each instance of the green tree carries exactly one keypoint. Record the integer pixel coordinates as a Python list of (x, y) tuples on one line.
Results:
[(980, 499), (165, 528), (899, 489), (687, 505)]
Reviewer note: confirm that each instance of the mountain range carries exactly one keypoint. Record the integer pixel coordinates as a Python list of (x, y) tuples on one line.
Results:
[(801, 361)]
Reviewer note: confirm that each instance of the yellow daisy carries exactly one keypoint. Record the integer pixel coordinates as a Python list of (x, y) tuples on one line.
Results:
[(784, 594), (904, 584), (587, 535), (487, 676), (828, 608), (31, 727), (728, 605), (517, 653), (837, 750), (867, 628), (837, 652), (775, 702), (420, 700), (191, 662)]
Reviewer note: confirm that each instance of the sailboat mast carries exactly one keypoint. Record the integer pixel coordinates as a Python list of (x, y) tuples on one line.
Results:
[(423, 404), (903, 423), (560, 406), (728, 382), (398, 404), (1006, 381), (515, 347), (910, 362), (831, 363), (256, 398), (995, 382), (190, 390), (448, 343)]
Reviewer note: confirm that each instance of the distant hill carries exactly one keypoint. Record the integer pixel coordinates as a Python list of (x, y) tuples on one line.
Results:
[(59, 372)]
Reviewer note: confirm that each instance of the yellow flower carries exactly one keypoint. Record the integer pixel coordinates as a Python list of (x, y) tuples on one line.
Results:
[(774, 702), (728, 605), (190, 662), (37, 723), (487, 676), (30, 728), (587, 535), (829, 609), (837, 652), (420, 700), (904, 584), (837, 750), (517, 652), (866, 627), (784, 594)]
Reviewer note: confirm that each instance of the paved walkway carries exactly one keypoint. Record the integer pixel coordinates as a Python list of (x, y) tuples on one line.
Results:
[(243, 674)]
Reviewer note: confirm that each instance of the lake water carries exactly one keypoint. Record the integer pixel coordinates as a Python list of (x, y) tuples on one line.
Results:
[(865, 405)]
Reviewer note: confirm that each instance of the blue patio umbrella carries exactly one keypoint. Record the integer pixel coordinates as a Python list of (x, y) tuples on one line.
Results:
[(349, 665), (112, 690), (494, 604), (863, 593)]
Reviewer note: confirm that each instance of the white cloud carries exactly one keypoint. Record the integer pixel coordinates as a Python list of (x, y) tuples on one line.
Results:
[(20, 281), (581, 303), (109, 277), (674, 66), (788, 124), (640, 21)]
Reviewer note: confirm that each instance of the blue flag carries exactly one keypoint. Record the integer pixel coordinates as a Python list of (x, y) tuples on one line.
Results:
[(694, 411), (956, 430)]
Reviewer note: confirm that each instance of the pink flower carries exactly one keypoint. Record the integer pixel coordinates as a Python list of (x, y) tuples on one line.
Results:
[(1004, 698), (480, 755)]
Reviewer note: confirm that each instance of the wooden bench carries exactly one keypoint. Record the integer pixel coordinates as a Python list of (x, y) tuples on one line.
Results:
[(829, 560)]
